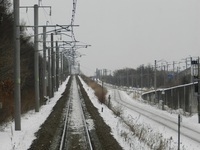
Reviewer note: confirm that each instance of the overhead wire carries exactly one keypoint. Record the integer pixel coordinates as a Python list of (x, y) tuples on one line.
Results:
[(73, 18), (28, 18), (72, 28), (48, 17), (46, 13)]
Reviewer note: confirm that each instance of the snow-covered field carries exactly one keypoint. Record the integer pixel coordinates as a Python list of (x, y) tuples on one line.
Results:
[(149, 131)]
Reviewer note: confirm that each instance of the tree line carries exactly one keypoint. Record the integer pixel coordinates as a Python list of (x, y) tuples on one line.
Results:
[(146, 77), (26, 65)]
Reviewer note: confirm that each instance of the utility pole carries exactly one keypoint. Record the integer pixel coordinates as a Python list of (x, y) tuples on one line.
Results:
[(61, 66), (79, 69), (44, 62), (102, 100), (127, 80), (52, 65), (173, 70), (17, 82), (141, 74), (70, 66), (179, 125), (164, 76), (36, 59), (196, 76), (198, 91), (155, 82), (49, 74), (191, 75), (57, 66)]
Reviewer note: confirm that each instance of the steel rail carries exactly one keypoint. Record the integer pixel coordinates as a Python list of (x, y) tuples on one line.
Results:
[(65, 127), (68, 116), (85, 124)]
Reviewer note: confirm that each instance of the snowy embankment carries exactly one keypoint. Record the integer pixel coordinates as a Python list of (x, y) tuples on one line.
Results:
[(118, 128), (135, 131), (160, 126), (30, 124)]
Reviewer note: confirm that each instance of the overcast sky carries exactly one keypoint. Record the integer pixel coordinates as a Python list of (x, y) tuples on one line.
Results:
[(127, 33)]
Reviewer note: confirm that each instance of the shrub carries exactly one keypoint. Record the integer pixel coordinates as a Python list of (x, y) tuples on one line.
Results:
[(98, 90), (118, 111)]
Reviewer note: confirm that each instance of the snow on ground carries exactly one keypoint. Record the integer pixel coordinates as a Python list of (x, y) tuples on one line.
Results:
[(159, 130), (30, 124), (21, 140), (152, 130), (117, 127)]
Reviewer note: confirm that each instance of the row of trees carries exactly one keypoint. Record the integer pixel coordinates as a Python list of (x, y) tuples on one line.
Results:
[(6, 65), (145, 76), (26, 66)]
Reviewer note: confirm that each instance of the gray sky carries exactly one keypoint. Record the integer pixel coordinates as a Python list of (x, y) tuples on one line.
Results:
[(128, 33)]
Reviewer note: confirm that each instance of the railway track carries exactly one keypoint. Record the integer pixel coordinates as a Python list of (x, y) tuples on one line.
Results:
[(75, 131), (163, 120)]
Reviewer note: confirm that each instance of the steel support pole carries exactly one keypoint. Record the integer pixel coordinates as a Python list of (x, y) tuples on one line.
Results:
[(49, 74), (36, 59), (44, 63), (79, 70), (61, 66), (102, 100), (164, 76), (17, 84), (52, 65), (70, 67), (179, 124), (198, 98), (57, 66), (155, 81), (141, 78), (127, 82)]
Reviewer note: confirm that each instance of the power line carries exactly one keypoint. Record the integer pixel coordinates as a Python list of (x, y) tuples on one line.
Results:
[(46, 13), (73, 17)]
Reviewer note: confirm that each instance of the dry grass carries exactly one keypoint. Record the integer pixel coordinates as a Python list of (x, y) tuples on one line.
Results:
[(146, 134), (7, 100), (98, 90), (118, 111)]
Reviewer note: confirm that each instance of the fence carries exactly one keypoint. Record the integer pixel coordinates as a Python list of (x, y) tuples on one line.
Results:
[(182, 96)]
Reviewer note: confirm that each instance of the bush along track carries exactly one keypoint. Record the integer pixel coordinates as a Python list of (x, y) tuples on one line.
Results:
[(102, 130), (49, 135)]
